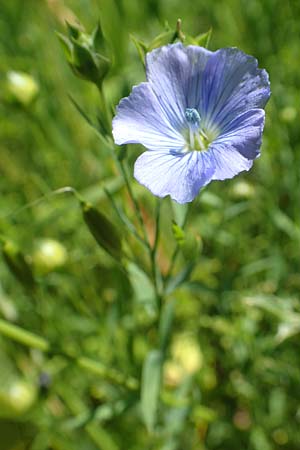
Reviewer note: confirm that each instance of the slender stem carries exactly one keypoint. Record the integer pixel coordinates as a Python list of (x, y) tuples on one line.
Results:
[(23, 336), (107, 117), (177, 248), (100, 369), (105, 112), (124, 219), (172, 262), (156, 274), (32, 340), (135, 203)]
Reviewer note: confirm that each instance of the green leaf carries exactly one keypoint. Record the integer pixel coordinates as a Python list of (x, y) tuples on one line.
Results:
[(202, 40), (142, 287), (113, 29), (209, 199), (150, 387), (180, 212), (101, 437), (180, 278), (165, 324), (259, 439), (175, 419), (89, 121), (66, 45), (122, 152), (286, 224), (287, 329), (97, 36), (73, 30), (162, 39)]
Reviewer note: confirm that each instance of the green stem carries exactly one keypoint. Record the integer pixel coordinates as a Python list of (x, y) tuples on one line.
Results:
[(23, 337), (172, 262), (124, 219), (104, 110), (107, 119), (31, 340), (177, 248), (100, 369), (135, 203), (156, 274)]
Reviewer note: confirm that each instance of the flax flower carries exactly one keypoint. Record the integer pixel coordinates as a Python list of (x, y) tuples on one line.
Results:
[(200, 116)]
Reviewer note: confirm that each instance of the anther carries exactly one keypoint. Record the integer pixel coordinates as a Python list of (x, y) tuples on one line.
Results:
[(193, 118)]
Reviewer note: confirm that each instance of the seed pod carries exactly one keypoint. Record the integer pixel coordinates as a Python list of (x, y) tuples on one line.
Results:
[(102, 229), (18, 265), (49, 255), (21, 87), (17, 398)]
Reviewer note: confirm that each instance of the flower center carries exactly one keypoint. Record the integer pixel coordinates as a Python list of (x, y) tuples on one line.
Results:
[(197, 136)]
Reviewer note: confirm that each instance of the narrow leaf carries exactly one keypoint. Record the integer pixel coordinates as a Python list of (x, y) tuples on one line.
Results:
[(150, 387), (165, 325)]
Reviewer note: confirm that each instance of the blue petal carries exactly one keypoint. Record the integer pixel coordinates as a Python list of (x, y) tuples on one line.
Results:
[(175, 73), (244, 133), (228, 162), (232, 84), (235, 150), (179, 175), (140, 119)]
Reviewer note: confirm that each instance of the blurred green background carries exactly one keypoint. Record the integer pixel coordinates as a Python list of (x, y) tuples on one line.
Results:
[(232, 377)]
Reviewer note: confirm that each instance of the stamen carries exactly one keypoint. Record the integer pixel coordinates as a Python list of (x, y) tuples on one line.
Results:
[(193, 118), (191, 138), (198, 137)]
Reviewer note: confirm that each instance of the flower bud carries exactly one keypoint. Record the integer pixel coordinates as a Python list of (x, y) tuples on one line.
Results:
[(82, 52), (21, 87), (103, 230)]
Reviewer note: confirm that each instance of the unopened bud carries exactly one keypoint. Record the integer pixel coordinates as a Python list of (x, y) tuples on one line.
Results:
[(82, 52), (103, 230)]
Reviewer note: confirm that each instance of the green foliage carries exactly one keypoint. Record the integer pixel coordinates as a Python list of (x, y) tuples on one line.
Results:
[(86, 361)]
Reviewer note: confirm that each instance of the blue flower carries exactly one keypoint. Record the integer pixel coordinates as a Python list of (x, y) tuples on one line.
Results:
[(199, 115)]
